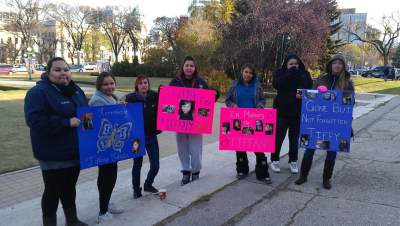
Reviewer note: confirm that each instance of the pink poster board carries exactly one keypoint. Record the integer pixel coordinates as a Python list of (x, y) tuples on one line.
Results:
[(185, 110), (247, 129)]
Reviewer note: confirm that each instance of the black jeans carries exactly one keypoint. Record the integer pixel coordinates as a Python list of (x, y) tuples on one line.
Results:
[(309, 155), (59, 184), (242, 164), (106, 183), (283, 123), (153, 151)]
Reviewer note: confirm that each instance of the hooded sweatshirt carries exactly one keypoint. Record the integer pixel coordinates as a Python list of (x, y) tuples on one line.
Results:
[(48, 109), (286, 82), (329, 80), (255, 100)]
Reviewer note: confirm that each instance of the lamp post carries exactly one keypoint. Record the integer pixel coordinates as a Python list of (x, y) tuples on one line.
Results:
[(29, 56), (102, 49), (79, 56)]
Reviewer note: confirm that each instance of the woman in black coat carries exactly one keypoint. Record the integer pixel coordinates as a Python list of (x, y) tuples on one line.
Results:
[(287, 80)]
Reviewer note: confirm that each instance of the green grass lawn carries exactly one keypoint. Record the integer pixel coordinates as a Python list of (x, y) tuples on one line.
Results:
[(376, 85), (14, 137), (124, 84)]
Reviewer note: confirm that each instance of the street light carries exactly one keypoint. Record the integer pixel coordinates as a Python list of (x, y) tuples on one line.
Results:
[(29, 55), (102, 49)]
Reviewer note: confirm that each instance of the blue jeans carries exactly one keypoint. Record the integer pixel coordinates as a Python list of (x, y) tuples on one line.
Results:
[(153, 152), (309, 155)]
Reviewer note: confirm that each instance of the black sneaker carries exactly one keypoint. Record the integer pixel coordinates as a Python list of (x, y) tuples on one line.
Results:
[(301, 180), (137, 193), (185, 177), (241, 176), (195, 176), (266, 180), (327, 184), (151, 189)]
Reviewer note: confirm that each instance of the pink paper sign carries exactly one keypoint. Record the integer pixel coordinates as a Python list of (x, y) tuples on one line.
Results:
[(247, 129), (185, 110)]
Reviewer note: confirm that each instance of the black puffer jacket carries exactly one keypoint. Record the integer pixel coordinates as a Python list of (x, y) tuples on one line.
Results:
[(286, 82)]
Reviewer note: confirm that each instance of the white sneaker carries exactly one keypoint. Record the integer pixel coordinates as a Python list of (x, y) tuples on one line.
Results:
[(293, 167), (113, 209), (275, 166), (104, 217)]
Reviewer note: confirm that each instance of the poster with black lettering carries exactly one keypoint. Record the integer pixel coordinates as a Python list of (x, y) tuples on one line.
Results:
[(326, 119)]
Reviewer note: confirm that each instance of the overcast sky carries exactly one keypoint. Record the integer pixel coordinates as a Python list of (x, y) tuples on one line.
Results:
[(150, 9)]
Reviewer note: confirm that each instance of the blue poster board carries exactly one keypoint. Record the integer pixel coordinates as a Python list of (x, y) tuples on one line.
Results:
[(110, 133), (326, 120)]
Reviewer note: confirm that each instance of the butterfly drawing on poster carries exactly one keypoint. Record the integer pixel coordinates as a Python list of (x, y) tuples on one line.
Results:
[(113, 136)]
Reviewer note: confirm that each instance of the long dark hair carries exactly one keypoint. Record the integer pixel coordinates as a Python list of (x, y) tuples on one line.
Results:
[(181, 74), (344, 76), (189, 115), (101, 77), (51, 62)]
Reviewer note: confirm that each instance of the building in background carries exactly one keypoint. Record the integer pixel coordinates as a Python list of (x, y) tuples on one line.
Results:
[(353, 21)]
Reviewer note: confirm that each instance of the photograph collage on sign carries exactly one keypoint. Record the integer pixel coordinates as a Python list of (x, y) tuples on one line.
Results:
[(136, 146), (347, 98), (247, 130), (186, 110), (87, 121)]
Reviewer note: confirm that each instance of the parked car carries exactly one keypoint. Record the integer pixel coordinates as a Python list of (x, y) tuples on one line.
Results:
[(378, 72), (76, 68), (90, 67), (20, 68), (397, 73), (40, 67), (6, 69)]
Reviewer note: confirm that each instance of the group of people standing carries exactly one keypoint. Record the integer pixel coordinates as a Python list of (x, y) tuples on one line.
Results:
[(50, 112)]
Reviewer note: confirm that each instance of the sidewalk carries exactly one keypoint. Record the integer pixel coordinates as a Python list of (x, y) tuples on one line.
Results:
[(218, 174), (365, 191)]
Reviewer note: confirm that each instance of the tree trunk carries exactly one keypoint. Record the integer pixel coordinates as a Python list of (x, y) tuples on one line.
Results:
[(385, 60), (116, 56)]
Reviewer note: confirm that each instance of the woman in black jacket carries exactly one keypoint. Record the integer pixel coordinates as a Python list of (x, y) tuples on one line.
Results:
[(50, 112), (287, 80), (143, 94)]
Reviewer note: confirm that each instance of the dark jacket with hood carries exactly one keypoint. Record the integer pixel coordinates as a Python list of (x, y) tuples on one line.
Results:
[(286, 82), (232, 95), (195, 82), (329, 80), (48, 109), (150, 108)]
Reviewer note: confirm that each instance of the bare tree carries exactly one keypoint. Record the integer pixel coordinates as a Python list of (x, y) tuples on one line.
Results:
[(384, 39), (165, 32), (113, 22), (47, 46), (27, 15), (133, 27), (76, 20)]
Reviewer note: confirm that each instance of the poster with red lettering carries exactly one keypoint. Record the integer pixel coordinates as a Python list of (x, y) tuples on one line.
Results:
[(247, 129), (185, 110)]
